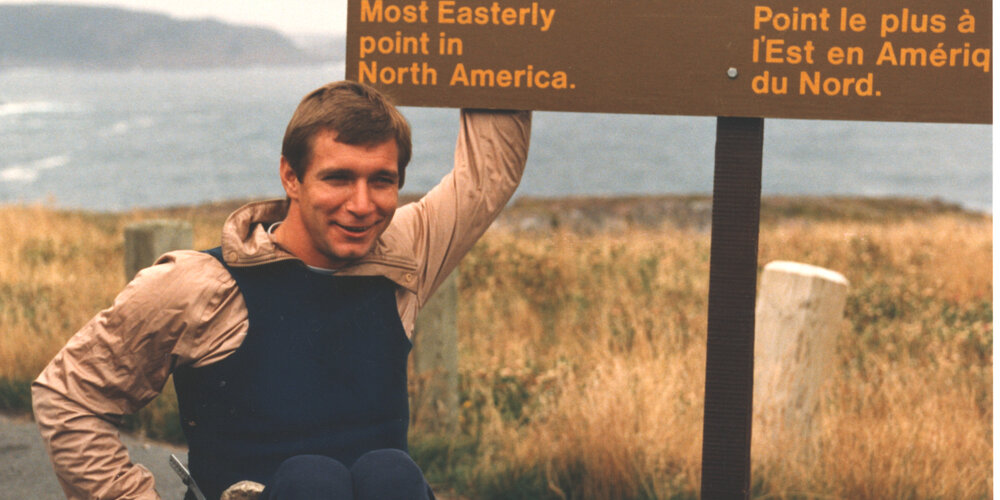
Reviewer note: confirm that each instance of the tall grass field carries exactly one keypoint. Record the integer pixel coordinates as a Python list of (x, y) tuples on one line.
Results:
[(582, 351)]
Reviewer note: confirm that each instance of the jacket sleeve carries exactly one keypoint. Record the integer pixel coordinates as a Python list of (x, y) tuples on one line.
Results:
[(117, 363), (442, 226)]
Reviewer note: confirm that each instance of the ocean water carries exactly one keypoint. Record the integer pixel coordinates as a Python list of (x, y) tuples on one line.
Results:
[(115, 140)]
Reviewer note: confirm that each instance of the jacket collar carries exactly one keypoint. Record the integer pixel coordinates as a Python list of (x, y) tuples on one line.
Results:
[(246, 242)]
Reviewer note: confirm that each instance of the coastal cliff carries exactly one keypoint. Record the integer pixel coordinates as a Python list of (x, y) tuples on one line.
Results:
[(45, 35)]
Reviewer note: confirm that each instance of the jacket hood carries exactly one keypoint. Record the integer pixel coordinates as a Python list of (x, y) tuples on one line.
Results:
[(246, 242)]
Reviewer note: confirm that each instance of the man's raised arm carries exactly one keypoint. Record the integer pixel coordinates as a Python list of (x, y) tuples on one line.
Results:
[(490, 156)]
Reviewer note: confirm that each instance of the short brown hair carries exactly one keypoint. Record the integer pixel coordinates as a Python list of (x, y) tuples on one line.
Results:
[(359, 114)]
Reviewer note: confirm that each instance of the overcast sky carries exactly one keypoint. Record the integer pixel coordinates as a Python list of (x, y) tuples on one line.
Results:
[(288, 16)]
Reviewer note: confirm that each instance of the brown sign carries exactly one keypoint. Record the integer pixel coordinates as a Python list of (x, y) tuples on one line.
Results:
[(893, 60)]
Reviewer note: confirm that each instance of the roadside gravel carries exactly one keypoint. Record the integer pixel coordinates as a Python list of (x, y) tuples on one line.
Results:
[(25, 471)]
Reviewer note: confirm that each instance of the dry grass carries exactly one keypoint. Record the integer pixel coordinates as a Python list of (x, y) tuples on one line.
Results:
[(51, 281), (603, 339), (57, 269), (582, 365)]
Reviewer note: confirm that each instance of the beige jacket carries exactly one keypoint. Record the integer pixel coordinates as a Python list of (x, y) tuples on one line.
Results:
[(186, 309)]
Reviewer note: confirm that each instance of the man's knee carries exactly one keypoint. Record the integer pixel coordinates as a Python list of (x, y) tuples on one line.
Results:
[(388, 474), (310, 477)]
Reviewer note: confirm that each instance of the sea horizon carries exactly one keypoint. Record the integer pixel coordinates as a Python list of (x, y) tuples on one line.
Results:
[(110, 140)]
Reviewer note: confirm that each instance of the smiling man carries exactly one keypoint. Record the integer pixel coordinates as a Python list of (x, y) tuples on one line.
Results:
[(288, 343), (343, 201), (342, 174)]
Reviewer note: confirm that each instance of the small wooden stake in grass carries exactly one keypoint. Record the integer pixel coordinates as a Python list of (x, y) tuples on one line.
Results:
[(799, 312), (147, 240), (435, 360)]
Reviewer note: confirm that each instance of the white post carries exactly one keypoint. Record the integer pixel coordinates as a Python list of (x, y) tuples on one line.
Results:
[(147, 240), (799, 313)]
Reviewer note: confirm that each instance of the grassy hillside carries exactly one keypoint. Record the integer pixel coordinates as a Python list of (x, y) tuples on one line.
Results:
[(582, 344)]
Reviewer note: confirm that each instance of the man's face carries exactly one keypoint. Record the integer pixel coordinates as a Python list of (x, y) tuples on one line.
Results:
[(345, 200)]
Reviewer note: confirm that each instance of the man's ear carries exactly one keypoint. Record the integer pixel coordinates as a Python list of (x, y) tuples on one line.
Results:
[(289, 180)]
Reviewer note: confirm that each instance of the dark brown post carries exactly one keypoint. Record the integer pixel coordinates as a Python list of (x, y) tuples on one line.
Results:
[(725, 465)]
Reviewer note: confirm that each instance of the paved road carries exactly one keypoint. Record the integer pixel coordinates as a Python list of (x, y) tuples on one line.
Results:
[(25, 471), (26, 474)]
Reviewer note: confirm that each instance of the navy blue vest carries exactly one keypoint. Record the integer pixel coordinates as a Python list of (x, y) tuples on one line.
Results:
[(322, 371)]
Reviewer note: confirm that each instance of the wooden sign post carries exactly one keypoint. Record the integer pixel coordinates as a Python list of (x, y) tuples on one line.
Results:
[(895, 60), (732, 286)]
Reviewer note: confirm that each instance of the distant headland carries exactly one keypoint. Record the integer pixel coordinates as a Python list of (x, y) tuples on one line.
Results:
[(47, 35)]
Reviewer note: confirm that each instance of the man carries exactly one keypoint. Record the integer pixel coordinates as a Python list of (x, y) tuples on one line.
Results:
[(288, 343)]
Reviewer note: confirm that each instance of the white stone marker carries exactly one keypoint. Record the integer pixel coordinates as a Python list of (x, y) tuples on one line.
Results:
[(799, 312)]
